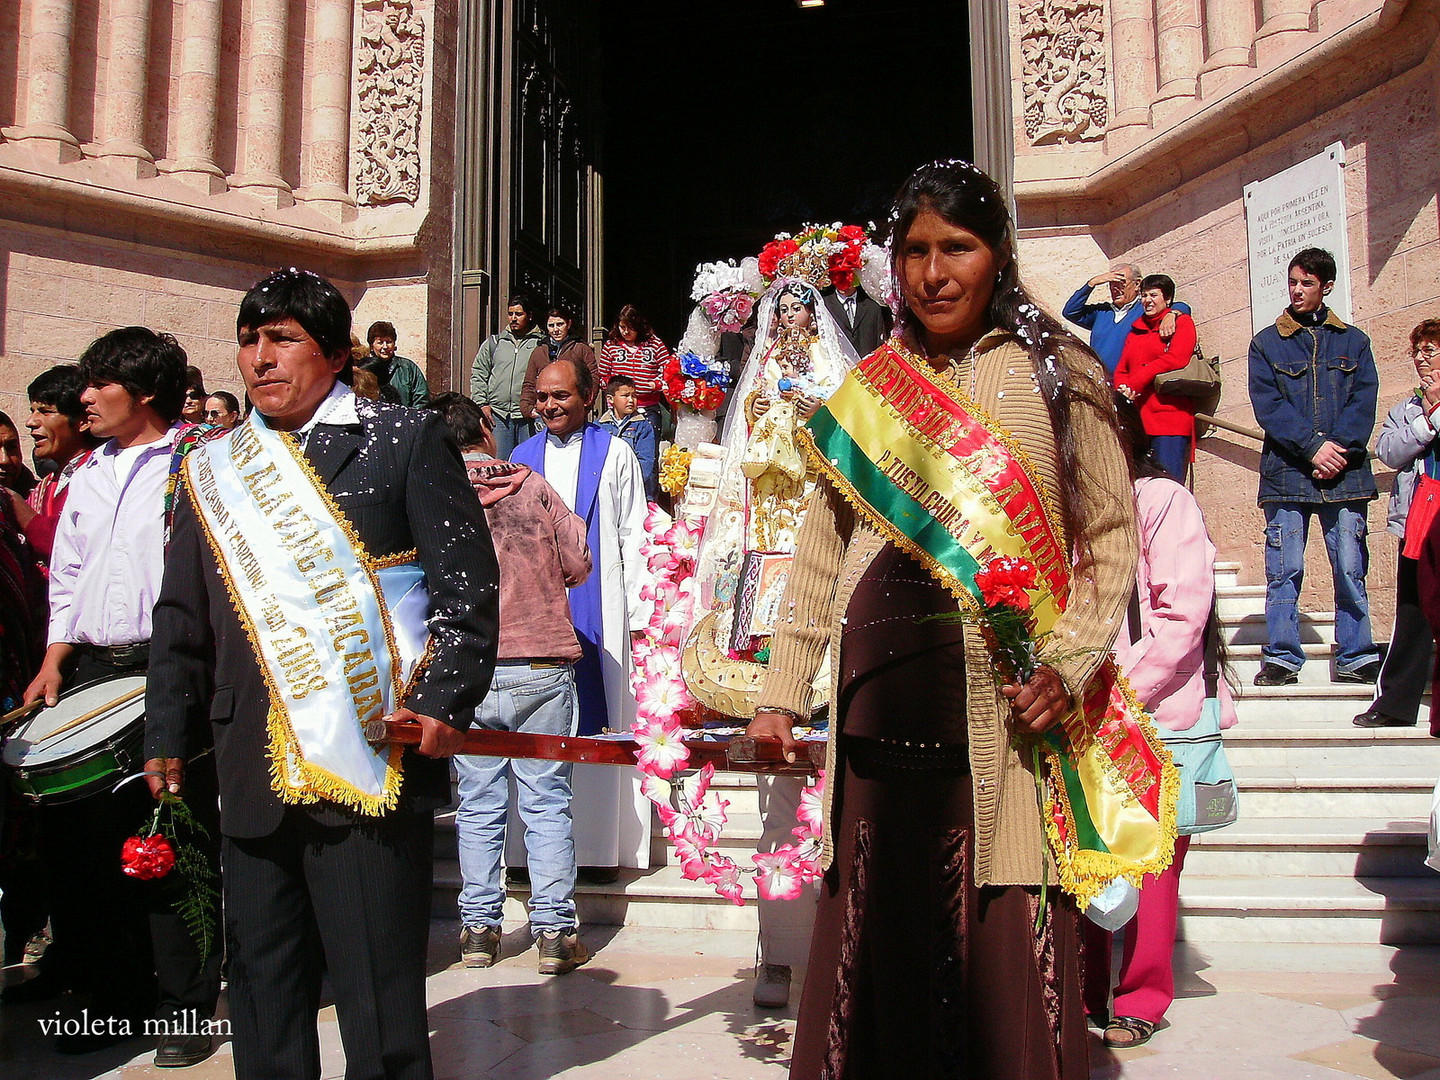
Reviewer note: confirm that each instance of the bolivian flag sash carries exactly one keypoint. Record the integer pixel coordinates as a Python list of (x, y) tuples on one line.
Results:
[(336, 632), (935, 475)]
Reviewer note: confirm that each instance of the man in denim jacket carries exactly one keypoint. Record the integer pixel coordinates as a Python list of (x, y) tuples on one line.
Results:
[(1313, 385)]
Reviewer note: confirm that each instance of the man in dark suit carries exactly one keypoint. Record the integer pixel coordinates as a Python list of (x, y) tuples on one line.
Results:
[(863, 320), (311, 884)]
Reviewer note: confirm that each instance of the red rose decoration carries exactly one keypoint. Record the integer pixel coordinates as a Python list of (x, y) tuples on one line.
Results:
[(1005, 581), (147, 857), (774, 253)]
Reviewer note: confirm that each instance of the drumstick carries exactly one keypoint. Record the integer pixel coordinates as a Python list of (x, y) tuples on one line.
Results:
[(92, 714), (22, 712)]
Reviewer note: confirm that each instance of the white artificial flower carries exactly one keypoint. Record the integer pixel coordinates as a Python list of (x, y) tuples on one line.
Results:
[(712, 277)]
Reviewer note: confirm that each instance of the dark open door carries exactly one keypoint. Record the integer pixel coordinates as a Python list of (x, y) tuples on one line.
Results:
[(546, 151)]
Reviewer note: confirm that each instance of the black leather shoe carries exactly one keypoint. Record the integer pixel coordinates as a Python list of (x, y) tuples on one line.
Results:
[(1275, 675), (1368, 673), (182, 1051), (1374, 718)]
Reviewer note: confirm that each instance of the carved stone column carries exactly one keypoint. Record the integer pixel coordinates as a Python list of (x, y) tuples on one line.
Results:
[(1282, 22), (326, 169), (264, 122), (47, 96), (1284, 17), (1229, 32), (197, 102), (125, 88), (1132, 31), (1179, 49)]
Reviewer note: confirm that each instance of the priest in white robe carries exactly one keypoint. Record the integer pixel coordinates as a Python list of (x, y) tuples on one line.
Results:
[(599, 478)]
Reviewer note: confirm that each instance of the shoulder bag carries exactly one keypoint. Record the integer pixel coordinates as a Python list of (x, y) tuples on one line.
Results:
[(1209, 799)]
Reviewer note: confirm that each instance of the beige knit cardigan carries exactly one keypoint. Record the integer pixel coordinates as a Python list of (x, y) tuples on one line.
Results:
[(835, 547)]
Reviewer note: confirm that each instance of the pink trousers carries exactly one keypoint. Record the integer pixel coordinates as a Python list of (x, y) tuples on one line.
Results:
[(1147, 979)]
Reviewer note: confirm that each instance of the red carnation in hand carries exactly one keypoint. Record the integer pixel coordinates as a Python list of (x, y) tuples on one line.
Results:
[(147, 857), (851, 233), (1005, 581)]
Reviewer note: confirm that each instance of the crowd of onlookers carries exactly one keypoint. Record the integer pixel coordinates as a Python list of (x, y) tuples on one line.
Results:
[(538, 391), (81, 416), (1313, 387)]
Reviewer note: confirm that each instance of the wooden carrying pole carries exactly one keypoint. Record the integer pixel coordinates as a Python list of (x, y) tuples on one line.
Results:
[(740, 753)]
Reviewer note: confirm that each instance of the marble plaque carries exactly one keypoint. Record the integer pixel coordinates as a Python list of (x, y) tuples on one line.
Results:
[(1303, 206)]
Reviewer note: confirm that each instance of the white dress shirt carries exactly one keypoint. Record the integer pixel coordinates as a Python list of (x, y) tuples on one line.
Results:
[(562, 464), (338, 407), (1122, 314), (109, 551)]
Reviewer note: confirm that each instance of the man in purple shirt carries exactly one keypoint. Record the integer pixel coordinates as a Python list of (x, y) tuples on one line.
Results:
[(105, 573)]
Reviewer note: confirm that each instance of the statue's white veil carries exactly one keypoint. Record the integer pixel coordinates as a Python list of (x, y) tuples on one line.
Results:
[(722, 547)]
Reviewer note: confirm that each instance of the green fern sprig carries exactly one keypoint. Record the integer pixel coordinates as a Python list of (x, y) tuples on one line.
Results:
[(198, 902)]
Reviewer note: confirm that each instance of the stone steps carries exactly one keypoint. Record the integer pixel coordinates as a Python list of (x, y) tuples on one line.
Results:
[(1260, 750), (658, 898), (1330, 846), (1385, 910), (1319, 847)]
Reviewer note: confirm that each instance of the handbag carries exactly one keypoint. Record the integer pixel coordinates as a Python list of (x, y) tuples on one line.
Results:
[(1209, 798), (1199, 379), (1424, 505)]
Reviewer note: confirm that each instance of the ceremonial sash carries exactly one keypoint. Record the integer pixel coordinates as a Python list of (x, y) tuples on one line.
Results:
[(940, 479), (337, 633)]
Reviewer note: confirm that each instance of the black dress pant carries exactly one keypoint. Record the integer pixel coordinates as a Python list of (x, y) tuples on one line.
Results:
[(353, 899), (1406, 672)]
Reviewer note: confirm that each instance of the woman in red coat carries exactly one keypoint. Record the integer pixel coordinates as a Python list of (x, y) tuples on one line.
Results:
[(1169, 419)]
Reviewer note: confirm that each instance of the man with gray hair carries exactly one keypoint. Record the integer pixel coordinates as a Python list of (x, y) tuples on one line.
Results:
[(1109, 324)]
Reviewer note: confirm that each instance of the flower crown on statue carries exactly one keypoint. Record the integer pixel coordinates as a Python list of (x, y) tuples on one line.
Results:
[(822, 254), (828, 255)]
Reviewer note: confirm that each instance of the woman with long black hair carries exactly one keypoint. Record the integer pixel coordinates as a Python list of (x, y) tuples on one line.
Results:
[(943, 945)]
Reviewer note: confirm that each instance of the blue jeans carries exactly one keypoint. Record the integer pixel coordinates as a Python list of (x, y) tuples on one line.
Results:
[(540, 701), (1173, 454), (510, 433), (1287, 526)]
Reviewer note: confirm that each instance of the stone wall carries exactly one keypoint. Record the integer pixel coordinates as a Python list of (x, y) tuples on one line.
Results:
[(157, 157), (1150, 202)]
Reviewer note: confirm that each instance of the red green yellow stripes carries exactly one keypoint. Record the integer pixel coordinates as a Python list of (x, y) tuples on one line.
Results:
[(932, 473)]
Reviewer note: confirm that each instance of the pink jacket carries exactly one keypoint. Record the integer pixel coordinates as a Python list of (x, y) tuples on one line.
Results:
[(541, 548), (1176, 581)]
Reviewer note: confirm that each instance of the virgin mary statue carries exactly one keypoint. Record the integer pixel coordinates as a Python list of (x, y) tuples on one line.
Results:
[(799, 359)]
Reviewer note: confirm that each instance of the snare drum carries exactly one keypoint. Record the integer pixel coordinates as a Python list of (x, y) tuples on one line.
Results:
[(90, 740)]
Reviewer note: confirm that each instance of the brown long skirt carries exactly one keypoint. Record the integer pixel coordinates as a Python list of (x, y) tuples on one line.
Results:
[(913, 970)]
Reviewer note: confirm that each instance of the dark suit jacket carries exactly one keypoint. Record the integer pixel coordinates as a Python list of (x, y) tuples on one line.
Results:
[(408, 489), (872, 320)]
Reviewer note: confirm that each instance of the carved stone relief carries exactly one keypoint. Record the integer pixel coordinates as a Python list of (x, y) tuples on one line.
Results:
[(1062, 44), (390, 66)]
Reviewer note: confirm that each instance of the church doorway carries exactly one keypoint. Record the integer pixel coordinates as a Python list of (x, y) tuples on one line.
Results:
[(726, 121), (606, 147)]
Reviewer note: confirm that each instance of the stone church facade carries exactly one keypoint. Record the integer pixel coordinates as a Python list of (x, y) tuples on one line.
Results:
[(1137, 125), (157, 156)]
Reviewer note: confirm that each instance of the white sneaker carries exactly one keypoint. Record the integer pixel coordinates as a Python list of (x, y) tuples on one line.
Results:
[(772, 986)]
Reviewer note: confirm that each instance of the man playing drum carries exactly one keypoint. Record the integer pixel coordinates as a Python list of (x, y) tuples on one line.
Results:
[(105, 571), (314, 548)]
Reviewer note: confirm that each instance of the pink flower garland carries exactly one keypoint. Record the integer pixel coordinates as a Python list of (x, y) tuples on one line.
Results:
[(694, 816)]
